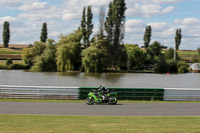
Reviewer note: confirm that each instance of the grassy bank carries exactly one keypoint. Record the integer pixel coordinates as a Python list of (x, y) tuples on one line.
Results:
[(97, 124), (15, 66), (187, 55), (10, 51)]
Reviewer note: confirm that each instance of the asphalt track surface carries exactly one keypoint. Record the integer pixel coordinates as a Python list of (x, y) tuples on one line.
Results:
[(123, 109)]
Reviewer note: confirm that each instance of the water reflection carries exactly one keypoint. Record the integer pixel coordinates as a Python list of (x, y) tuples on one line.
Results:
[(19, 77), (75, 74)]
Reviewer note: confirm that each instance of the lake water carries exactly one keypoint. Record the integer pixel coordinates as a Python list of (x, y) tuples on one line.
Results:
[(76, 79)]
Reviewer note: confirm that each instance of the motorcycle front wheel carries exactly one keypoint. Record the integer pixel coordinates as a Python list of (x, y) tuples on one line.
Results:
[(89, 101)]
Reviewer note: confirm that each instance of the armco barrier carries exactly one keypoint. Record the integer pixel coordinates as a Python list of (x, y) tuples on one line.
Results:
[(129, 93), (53, 92), (38, 92), (181, 94)]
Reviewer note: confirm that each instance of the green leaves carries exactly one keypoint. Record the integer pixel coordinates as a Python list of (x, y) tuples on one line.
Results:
[(178, 38), (87, 25), (147, 36), (136, 56), (6, 34), (92, 59), (44, 33), (69, 52)]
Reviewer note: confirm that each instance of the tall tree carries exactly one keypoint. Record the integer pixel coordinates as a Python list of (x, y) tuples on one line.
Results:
[(115, 22), (147, 36), (83, 27), (44, 34), (101, 21), (109, 23), (178, 38), (6, 34), (198, 49), (86, 25), (119, 8), (89, 25)]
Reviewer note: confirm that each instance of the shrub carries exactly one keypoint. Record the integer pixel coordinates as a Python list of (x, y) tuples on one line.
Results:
[(163, 66), (172, 65), (4, 66), (182, 69), (19, 66), (9, 62)]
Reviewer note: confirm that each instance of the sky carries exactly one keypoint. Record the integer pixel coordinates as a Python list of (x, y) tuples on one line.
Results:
[(64, 16)]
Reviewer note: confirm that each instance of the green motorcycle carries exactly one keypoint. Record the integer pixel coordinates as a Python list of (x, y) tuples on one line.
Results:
[(98, 97)]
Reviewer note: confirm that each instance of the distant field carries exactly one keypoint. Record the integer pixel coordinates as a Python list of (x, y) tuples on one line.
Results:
[(10, 53), (14, 52), (186, 55), (16, 46), (10, 56), (14, 61)]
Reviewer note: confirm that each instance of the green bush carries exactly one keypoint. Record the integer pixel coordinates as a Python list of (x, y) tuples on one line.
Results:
[(19, 66), (9, 62), (4, 66), (172, 65), (162, 66), (182, 69)]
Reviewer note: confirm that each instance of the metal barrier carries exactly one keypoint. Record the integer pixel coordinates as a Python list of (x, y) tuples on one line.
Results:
[(129, 93), (181, 94), (38, 92), (58, 92)]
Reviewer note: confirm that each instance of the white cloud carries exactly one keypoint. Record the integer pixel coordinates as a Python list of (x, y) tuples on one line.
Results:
[(7, 18), (39, 17), (187, 21), (70, 16), (34, 6), (148, 10), (39, 11), (166, 1), (135, 23), (169, 33), (14, 3), (168, 9), (26, 23), (159, 26)]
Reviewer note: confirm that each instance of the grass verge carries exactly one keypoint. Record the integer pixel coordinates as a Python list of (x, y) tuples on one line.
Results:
[(97, 124)]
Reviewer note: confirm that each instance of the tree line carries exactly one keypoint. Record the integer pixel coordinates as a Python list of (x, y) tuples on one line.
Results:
[(105, 50)]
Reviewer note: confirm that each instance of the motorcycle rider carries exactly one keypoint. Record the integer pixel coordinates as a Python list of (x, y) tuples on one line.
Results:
[(104, 91)]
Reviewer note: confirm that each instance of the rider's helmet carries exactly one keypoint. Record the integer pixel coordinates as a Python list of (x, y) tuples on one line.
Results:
[(99, 86)]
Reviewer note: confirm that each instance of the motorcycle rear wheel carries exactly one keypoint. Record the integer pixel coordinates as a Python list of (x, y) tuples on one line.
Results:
[(89, 101), (114, 100)]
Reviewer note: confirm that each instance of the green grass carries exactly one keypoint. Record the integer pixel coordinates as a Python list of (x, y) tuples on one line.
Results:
[(187, 52), (9, 51), (97, 124), (83, 101), (14, 61), (187, 55)]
